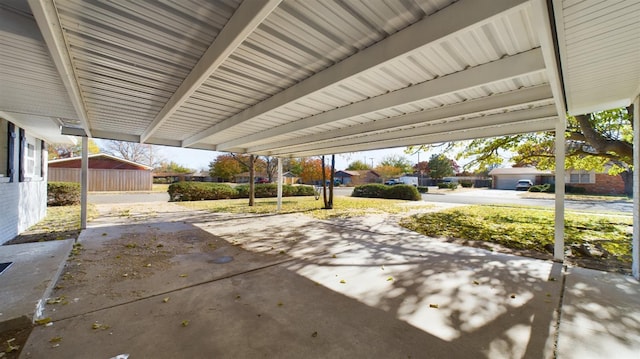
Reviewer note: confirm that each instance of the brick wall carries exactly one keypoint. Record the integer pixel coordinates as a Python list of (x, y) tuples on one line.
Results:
[(605, 184)]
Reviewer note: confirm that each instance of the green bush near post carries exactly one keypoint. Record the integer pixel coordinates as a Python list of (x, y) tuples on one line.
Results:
[(63, 193), (198, 191), (466, 184), (423, 189), (401, 191)]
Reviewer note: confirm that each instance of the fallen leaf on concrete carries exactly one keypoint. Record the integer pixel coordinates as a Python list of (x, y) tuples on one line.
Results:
[(333, 256), (476, 282), (183, 275), (389, 279), (343, 281), (148, 265), (96, 326), (43, 321), (185, 323), (433, 306), (56, 300), (55, 340), (165, 300), (314, 334)]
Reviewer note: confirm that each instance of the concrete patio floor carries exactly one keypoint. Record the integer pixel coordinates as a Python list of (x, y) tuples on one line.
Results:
[(160, 281)]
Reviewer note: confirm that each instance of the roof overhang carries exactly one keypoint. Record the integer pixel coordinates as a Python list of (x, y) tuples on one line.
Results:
[(289, 78)]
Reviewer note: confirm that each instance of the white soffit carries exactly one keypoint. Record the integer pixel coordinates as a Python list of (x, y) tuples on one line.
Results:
[(297, 74), (599, 44)]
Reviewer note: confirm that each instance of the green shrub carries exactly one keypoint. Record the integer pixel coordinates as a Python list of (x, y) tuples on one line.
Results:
[(198, 191), (268, 190), (466, 184), (63, 193), (423, 189), (303, 190), (449, 185), (374, 190), (401, 191)]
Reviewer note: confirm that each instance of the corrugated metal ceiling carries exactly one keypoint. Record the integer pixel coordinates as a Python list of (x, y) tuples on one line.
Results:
[(289, 75)]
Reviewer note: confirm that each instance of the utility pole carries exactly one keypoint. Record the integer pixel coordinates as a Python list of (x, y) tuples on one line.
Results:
[(371, 158)]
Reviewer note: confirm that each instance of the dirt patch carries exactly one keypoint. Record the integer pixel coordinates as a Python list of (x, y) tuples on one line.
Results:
[(129, 257), (12, 340)]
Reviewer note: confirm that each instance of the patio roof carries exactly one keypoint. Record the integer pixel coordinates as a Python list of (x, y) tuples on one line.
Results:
[(300, 78), (290, 78)]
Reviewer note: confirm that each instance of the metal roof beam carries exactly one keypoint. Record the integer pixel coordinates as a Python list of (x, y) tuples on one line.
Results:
[(46, 16), (505, 100), (446, 22), (248, 16), (443, 129), (535, 125), (505, 68)]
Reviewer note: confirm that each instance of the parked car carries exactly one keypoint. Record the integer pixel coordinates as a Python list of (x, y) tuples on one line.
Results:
[(393, 181), (261, 180), (524, 185)]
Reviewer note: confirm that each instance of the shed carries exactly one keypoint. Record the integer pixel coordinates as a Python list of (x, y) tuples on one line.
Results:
[(106, 173)]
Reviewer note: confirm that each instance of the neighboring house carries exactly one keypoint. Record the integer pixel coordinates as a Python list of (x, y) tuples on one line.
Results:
[(357, 177), (244, 177), (507, 178), (106, 173), (595, 183), (23, 179)]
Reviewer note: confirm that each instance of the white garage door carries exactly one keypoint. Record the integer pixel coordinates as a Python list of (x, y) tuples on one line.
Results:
[(510, 181)]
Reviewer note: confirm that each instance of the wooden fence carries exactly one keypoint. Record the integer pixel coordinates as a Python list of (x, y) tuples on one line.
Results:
[(105, 180)]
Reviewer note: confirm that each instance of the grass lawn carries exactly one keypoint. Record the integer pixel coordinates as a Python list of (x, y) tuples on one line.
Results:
[(343, 207), (527, 228), (60, 223)]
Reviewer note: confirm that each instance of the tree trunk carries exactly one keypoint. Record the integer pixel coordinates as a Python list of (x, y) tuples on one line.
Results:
[(252, 186), (324, 186), (627, 178), (333, 170)]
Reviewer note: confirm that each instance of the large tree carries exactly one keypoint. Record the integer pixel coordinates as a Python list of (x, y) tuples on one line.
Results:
[(601, 141), (172, 167), (135, 152), (61, 150), (440, 166), (397, 161), (358, 166)]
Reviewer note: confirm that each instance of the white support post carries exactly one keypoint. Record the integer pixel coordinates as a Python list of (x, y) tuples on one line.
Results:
[(635, 251), (84, 182), (279, 207), (558, 249)]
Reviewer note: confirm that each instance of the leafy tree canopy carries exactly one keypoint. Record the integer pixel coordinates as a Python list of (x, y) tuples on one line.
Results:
[(172, 167), (312, 170), (61, 150), (600, 141), (358, 166), (440, 166), (397, 161)]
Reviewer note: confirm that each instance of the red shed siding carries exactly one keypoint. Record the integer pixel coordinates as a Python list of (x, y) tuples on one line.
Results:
[(97, 163)]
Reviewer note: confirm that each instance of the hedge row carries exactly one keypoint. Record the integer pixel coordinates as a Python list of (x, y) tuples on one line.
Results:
[(63, 193), (400, 191), (449, 185), (198, 191), (551, 188)]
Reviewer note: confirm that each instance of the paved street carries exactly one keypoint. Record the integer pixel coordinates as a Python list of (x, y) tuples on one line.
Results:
[(478, 196)]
